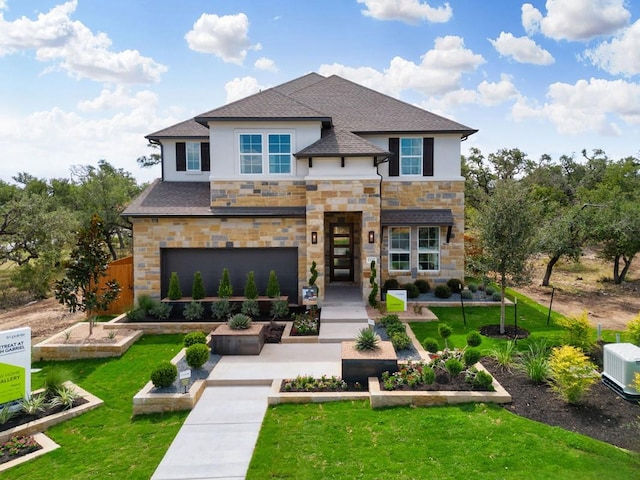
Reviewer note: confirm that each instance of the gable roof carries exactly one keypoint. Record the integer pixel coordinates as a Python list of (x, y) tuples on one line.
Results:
[(340, 143), (333, 100)]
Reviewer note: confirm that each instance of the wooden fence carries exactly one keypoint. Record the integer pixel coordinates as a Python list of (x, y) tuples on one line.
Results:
[(122, 271)]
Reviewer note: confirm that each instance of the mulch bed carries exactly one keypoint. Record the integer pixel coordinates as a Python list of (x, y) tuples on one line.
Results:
[(602, 414), (510, 332), (273, 332), (18, 447)]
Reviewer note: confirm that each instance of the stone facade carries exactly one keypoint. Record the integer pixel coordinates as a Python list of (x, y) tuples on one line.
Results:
[(252, 193)]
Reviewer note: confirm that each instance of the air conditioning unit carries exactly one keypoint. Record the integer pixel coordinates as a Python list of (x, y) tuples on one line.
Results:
[(621, 363)]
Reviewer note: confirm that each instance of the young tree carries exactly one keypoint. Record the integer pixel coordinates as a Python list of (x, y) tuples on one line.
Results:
[(80, 289), (507, 231)]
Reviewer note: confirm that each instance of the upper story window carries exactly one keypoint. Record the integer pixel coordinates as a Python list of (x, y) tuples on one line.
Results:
[(278, 150), (429, 248), (411, 156), (193, 156), (400, 249)]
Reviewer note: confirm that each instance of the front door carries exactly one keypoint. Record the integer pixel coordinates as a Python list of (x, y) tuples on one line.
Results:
[(341, 251)]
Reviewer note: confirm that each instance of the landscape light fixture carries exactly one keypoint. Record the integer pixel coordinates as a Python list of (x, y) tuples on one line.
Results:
[(314, 237)]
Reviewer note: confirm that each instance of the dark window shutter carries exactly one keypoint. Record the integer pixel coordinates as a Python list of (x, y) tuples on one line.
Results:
[(394, 161), (181, 157), (205, 160), (427, 157)]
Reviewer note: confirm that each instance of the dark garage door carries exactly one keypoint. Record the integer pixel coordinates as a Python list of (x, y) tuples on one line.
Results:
[(240, 261)]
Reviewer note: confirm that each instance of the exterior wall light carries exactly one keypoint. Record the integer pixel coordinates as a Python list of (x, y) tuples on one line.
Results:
[(314, 237), (372, 236)]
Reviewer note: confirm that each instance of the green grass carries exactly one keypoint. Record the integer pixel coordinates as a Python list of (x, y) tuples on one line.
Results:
[(349, 440), (108, 442)]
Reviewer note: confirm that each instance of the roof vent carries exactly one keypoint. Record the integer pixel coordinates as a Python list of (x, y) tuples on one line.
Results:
[(621, 362)]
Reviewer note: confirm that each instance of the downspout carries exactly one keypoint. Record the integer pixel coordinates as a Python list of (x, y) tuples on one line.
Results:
[(384, 160)]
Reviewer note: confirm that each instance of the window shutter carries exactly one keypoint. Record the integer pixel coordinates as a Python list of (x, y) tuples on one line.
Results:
[(181, 157), (394, 161), (427, 157), (205, 160)]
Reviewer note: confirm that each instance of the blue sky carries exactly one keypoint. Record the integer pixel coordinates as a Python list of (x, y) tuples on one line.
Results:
[(85, 80)]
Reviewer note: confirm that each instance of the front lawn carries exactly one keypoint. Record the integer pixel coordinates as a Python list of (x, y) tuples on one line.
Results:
[(348, 440), (108, 442)]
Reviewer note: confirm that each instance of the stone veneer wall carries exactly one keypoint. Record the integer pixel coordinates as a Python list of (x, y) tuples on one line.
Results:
[(152, 234), (429, 194), (257, 193)]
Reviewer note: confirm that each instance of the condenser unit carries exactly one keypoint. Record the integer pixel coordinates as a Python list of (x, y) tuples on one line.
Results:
[(621, 363)]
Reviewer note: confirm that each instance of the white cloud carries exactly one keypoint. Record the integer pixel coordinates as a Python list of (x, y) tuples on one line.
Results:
[(266, 64), (439, 71), (225, 37), (241, 87), (521, 49), (3, 4), (118, 98), (620, 55), (57, 38), (586, 106), (408, 11), (576, 19)]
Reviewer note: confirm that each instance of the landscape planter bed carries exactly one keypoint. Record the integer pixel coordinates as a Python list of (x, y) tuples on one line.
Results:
[(226, 341), (158, 327), (46, 445), (44, 423), (276, 396), (359, 366)]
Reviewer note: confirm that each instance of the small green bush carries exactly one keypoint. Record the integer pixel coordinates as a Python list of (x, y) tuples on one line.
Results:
[(64, 397), (483, 381), (197, 355), (221, 309), (198, 291), (164, 374), (314, 273), (192, 338), (279, 309), (428, 375), (136, 315), (444, 330), (442, 291), (250, 288), (225, 289), (633, 329), (453, 366), (471, 356), (389, 319), (496, 296), (175, 292), (250, 308), (412, 290), (393, 328), (193, 311), (390, 284), (571, 372), (455, 284), (430, 345), (161, 311), (146, 303), (400, 341), (489, 291), (535, 361), (473, 287), (54, 379), (239, 321), (466, 294), (578, 330), (367, 340), (423, 285), (273, 286), (504, 354), (474, 339), (373, 294)]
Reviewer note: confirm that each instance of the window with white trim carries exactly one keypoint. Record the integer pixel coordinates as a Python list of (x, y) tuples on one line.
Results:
[(193, 156), (279, 153), (400, 249), (428, 248), (411, 156), (250, 153)]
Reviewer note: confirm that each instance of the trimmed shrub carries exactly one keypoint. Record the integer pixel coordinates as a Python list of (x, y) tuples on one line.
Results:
[(367, 340), (423, 285), (453, 366), (273, 286), (250, 308), (471, 356), (633, 329), (373, 294), (489, 291), (314, 273), (279, 309), (455, 284), (389, 319), (146, 303), (445, 332), (239, 321), (250, 288), (572, 374), (175, 292), (193, 311), (473, 287), (578, 330), (390, 284), (197, 355), (136, 315), (192, 338), (164, 374), (400, 341), (412, 290), (496, 296), (428, 375), (474, 339), (161, 311), (466, 294), (483, 381), (225, 289), (442, 291), (221, 309), (430, 345), (198, 291), (396, 327)]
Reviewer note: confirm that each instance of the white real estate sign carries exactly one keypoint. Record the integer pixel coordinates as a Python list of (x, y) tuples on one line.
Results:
[(396, 300), (15, 364)]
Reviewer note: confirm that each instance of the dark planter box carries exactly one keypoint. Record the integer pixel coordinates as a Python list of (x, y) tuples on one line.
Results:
[(359, 366), (225, 341)]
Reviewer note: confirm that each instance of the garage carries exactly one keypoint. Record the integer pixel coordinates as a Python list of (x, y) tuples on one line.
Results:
[(240, 261)]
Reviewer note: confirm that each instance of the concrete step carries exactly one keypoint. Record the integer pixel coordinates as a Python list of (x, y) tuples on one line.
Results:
[(343, 313), (335, 332)]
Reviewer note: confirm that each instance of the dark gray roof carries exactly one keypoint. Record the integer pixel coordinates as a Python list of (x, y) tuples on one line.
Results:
[(187, 129), (425, 216), (341, 143), (172, 199), (299, 83)]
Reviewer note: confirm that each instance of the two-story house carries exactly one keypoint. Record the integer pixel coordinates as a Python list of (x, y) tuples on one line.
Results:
[(316, 169)]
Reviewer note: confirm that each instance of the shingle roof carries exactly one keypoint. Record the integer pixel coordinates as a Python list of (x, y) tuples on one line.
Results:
[(299, 83), (442, 216), (341, 144), (187, 129), (172, 199)]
